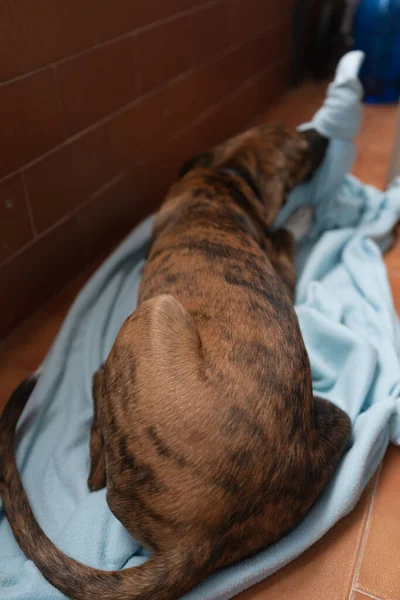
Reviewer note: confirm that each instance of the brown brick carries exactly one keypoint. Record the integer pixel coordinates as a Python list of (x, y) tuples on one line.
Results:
[(112, 212), (37, 33), (211, 32), (120, 17), (96, 83), (162, 169), (163, 52), (216, 127), (194, 94), (15, 228), (224, 121), (250, 17), (140, 131), (255, 96), (127, 15), (190, 96), (30, 119), (256, 55), (34, 34), (39, 271), (228, 118), (202, 136), (198, 92), (67, 177)]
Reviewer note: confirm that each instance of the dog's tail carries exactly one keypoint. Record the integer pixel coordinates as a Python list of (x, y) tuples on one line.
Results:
[(160, 578)]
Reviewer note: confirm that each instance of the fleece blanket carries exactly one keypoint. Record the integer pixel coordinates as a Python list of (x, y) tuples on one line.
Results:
[(351, 330)]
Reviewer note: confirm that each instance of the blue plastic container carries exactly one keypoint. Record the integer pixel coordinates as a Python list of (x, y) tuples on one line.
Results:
[(377, 33)]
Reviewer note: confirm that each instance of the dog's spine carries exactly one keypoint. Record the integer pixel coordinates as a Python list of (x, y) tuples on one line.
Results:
[(160, 578)]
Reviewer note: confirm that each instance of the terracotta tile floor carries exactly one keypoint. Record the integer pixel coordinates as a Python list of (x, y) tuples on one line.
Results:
[(359, 558)]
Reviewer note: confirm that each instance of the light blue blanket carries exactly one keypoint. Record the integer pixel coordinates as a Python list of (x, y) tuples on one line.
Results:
[(352, 334)]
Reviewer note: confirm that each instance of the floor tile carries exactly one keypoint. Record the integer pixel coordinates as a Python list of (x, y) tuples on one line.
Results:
[(372, 167), (394, 279), (392, 258), (392, 262), (375, 143), (378, 572), (326, 570), (378, 125), (10, 377), (29, 343)]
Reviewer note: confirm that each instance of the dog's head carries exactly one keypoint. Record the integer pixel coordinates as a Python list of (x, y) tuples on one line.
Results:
[(269, 159)]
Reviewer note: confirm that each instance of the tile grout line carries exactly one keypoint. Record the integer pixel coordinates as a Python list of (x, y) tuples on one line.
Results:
[(118, 38), (30, 215), (348, 589), (160, 88), (197, 121), (115, 179), (209, 111), (366, 531), (368, 595)]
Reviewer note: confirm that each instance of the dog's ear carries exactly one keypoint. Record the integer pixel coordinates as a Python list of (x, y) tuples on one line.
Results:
[(200, 160)]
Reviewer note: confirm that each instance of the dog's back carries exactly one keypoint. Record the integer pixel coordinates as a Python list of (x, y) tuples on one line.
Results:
[(205, 426)]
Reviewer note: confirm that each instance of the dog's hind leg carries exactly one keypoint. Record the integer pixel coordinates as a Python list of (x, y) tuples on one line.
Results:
[(97, 474), (332, 433)]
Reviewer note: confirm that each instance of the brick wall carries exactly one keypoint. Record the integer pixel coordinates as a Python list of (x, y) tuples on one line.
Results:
[(100, 103)]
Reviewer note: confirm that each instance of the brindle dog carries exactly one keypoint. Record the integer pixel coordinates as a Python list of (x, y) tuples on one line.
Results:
[(205, 428)]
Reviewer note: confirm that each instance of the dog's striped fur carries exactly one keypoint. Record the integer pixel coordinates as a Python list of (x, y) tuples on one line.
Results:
[(205, 429)]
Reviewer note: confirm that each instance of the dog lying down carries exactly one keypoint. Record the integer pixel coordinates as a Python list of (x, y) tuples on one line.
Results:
[(205, 430)]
